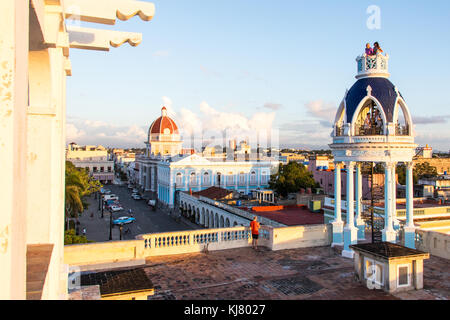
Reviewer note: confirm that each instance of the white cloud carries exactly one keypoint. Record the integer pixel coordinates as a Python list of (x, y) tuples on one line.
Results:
[(73, 133), (272, 106), (322, 110), (167, 102), (94, 132)]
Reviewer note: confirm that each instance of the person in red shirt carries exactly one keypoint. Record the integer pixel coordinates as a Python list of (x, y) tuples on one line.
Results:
[(254, 226)]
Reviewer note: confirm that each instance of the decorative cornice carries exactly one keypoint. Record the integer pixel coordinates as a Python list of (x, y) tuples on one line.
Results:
[(97, 39), (107, 11)]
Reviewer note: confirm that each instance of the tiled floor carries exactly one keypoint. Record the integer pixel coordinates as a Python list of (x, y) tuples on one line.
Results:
[(245, 274)]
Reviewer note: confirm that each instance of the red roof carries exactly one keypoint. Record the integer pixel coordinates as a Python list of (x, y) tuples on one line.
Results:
[(164, 122), (214, 193), (293, 216)]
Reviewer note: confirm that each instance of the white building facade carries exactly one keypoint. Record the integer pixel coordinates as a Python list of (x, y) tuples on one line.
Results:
[(164, 170), (93, 158)]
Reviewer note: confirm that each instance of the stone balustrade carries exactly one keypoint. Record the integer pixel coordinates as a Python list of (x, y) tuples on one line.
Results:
[(115, 253)]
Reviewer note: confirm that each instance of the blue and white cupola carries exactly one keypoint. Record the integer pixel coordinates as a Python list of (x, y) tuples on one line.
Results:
[(373, 109), (372, 124)]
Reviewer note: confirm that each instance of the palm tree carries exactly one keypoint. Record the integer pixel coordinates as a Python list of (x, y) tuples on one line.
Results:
[(78, 185), (73, 203)]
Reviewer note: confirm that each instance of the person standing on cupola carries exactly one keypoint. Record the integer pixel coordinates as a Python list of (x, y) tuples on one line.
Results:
[(369, 50), (376, 48)]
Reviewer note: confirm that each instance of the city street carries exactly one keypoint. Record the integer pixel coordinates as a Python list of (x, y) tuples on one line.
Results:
[(147, 220)]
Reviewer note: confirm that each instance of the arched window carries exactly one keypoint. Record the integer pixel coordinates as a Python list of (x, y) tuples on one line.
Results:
[(369, 121), (179, 179), (219, 179), (401, 119), (253, 177), (242, 178), (265, 177), (192, 179), (230, 178), (206, 180)]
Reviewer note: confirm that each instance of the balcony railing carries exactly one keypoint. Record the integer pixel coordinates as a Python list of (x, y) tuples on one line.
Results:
[(401, 130), (339, 131), (372, 65), (368, 131), (182, 242)]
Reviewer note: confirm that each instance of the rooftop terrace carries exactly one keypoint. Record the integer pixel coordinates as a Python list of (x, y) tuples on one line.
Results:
[(305, 274)]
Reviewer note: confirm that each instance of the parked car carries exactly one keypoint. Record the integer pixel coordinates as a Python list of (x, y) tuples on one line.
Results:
[(115, 208), (135, 196), (135, 190), (130, 186), (124, 220), (110, 197), (111, 202), (105, 191)]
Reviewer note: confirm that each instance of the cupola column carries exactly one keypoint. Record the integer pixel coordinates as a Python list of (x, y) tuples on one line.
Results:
[(358, 198), (388, 232), (350, 231), (337, 224), (410, 230), (394, 199)]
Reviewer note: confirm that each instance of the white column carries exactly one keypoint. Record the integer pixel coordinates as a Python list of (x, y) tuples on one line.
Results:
[(247, 178), (394, 198), (13, 152), (350, 231), (337, 224), (410, 230), (388, 232), (359, 221)]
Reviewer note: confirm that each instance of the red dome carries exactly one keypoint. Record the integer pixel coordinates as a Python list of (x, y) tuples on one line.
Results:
[(160, 125)]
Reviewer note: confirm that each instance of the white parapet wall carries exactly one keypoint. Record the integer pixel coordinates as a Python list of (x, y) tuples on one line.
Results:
[(435, 243), (103, 252), (301, 237), (116, 253)]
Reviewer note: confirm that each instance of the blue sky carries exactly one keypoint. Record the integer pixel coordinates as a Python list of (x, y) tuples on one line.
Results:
[(286, 63)]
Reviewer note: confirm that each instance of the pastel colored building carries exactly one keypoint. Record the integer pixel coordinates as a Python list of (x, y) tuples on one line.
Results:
[(93, 158), (165, 170)]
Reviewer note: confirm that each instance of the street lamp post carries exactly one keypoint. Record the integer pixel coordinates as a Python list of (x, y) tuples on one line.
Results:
[(103, 205), (110, 225)]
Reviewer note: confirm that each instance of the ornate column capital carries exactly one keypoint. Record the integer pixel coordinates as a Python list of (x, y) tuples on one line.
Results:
[(350, 164), (389, 165)]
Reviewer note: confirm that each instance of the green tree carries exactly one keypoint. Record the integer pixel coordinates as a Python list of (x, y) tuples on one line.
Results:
[(78, 185), (71, 238), (291, 178), (421, 170), (424, 170)]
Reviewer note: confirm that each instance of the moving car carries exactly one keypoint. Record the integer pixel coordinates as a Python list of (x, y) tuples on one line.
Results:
[(124, 220), (135, 196)]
